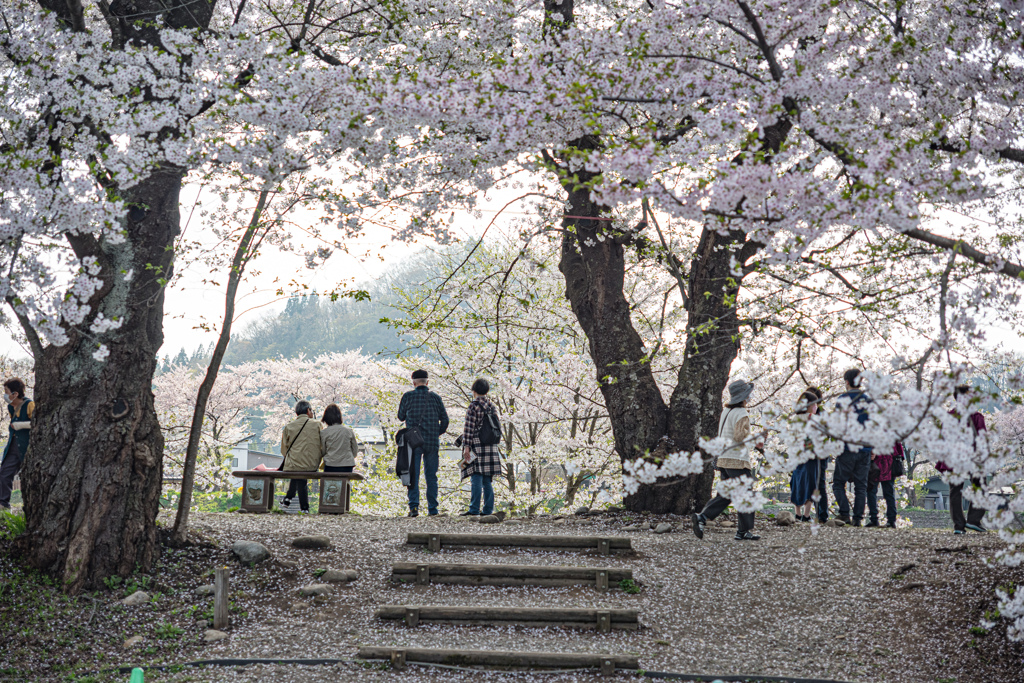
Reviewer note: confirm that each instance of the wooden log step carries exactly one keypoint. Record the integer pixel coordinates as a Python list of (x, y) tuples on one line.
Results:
[(603, 620), (503, 658), (601, 578), (603, 544)]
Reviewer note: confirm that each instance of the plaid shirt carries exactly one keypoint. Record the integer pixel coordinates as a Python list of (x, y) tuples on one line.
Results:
[(422, 408), (488, 458)]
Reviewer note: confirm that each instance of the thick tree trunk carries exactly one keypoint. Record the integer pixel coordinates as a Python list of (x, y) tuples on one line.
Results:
[(593, 263), (92, 476)]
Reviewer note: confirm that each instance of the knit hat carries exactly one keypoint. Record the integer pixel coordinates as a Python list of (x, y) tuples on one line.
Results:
[(739, 391), (419, 374)]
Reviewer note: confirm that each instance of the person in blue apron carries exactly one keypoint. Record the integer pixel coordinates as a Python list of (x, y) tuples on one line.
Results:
[(20, 409)]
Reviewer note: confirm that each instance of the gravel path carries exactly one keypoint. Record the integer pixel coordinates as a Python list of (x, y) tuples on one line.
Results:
[(795, 603)]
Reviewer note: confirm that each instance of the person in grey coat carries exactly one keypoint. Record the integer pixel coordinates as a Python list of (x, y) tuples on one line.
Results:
[(481, 461), (338, 443)]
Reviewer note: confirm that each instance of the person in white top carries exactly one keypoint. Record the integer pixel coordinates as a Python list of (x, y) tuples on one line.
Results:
[(734, 424)]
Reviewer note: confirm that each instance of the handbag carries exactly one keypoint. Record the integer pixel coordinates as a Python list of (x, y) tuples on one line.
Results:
[(898, 470), (413, 437)]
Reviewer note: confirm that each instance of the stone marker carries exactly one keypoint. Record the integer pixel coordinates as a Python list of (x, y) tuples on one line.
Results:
[(135, 599), (311, 542), (785, 518), (202, 591), (315, 589), (250, 552), (212, 635), (663, 528), (133, 641), (489, 519)]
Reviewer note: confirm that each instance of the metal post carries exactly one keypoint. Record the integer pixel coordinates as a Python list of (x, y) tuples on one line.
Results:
[(604, 546), (607, 667), (220, 598)]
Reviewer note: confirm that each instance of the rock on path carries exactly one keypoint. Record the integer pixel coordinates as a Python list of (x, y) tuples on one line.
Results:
[(316, 542), (315, 589), (212, 635), (250, 552), (135, 599), (339, 575)]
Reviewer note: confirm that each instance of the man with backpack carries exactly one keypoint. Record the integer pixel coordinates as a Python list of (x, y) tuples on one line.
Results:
[(425, 420), (480, 455)]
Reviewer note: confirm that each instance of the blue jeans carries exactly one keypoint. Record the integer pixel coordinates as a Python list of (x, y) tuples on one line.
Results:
[(481, 483), (429, 459)]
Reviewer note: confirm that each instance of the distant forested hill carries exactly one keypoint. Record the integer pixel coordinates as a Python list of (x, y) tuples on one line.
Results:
[(313, 325)]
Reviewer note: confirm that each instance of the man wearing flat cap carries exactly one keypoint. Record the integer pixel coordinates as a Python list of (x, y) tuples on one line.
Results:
[(423, 409)]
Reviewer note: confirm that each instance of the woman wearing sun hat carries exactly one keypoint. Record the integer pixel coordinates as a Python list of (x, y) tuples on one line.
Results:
[(734, 425)]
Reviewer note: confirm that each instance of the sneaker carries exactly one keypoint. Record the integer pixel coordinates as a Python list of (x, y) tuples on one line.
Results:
[(977, 527), (469, 514), (699, 522), (303, 512), (286, 502), (414, 513), (958, 531), (872, 524), (746, 536)]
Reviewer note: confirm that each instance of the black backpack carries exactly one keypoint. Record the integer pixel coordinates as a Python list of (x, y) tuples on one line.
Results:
[(490, 429)]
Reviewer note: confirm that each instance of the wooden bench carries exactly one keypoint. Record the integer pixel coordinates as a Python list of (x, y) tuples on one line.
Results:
[(258, 489)]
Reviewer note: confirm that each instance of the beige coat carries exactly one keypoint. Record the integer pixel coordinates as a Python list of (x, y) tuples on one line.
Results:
[(735, 425), (339, 446), (300, 445)]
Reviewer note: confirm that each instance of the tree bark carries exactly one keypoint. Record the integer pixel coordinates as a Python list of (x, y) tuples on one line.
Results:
[(241, 258), (593, 264), (92, 476)]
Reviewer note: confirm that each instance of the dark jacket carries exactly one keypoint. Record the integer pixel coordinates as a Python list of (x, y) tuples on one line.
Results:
[(488, 457), (422, 408), (857, 400), (19, 436)]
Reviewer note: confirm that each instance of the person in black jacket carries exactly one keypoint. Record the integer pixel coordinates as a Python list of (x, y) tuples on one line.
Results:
[(423, 409)]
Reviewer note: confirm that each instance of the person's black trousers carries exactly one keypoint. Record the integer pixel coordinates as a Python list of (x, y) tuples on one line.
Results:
[(852, 466), (889, 493), (821, 505), (8, 470), (956, 507), (300, 486), (718, 504)]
